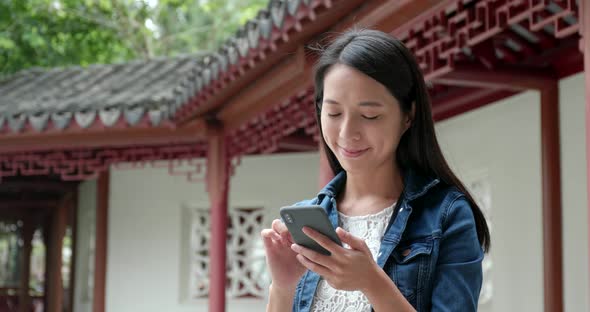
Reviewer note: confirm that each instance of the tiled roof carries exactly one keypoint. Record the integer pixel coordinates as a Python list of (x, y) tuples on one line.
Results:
[(142, 93), (250, 45), (131, 93)]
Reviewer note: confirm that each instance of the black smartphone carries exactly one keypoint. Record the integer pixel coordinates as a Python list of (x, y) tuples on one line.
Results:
[(315, 217)]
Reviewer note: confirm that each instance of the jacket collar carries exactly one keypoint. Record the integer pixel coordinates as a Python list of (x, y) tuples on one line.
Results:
[(415, 185)]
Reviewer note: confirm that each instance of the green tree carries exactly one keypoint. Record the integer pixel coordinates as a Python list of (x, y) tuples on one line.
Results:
[(51, 33)]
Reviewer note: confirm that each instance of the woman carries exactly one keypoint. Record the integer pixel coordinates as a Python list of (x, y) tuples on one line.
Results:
[(414, 237)]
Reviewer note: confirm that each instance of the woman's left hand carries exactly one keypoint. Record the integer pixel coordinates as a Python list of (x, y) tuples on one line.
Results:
[(346, 268)]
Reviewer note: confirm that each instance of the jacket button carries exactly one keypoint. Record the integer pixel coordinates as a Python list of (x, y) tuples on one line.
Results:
[(406, 252)]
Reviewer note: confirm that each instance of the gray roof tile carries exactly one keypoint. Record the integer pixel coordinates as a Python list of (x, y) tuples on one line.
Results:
[(151, 90), (98, 93)]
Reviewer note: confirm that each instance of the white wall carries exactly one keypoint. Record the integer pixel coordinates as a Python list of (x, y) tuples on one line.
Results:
[(503, 140), (574, 190), (145, 240), (146, 245), (85, 234)]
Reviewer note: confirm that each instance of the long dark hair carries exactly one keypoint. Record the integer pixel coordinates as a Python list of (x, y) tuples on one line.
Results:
[(385, 59)]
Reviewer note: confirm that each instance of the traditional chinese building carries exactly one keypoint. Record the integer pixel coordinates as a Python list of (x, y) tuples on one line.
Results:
[(90, 157)]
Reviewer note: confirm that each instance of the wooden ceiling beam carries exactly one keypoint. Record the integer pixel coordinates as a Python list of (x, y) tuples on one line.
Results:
[(294, 72), (461, 100), (298, 144), (468, 75), (28, 142), (268, 91), (281, 55)]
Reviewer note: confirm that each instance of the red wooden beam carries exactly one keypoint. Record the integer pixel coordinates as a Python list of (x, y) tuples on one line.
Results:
[(485, 53), (54, 140), (467, 75), (218, 168), (25, 276), (54, 291), (100, 254), (383, 15), (551, 171), (298, 143), (462, 100), (73, 222), (267, 91), (322, 21)]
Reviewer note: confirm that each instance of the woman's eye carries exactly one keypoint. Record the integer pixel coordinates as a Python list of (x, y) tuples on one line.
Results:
[(371, 117), (334, 115)]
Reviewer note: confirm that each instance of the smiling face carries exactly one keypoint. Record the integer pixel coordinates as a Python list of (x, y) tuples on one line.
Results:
[(362, 122)]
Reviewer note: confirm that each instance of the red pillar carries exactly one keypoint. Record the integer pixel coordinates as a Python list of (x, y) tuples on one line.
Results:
[(57, 230), (585, 46), (551, 170), (326, 173), (24, 301), (218, 188), (100, 256)]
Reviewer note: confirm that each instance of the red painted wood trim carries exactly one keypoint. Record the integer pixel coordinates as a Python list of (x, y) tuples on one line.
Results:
[(290, 75), (467, 75), (218, 188), (54, 290), (58, 140), (100, 258), (322, 21), (74, 224), (551, 173), (24, 298), (272, 88)]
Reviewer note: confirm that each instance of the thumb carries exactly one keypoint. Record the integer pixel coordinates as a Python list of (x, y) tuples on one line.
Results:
[(352, 241)]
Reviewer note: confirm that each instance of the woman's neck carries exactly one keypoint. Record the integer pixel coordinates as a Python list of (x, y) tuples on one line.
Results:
[(367, 193)]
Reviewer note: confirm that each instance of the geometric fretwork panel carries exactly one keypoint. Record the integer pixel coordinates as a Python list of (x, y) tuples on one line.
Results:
[(82, 164), (443, 35), (246, 274), (263, 133)]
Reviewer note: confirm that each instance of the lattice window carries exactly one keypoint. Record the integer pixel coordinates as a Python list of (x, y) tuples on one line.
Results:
[(246, 272)]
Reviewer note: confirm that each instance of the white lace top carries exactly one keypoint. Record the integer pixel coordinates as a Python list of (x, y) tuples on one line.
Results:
[(371, 228)]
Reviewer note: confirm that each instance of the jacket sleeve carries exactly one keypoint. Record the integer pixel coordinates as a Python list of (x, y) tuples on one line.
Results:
[(458, 274)]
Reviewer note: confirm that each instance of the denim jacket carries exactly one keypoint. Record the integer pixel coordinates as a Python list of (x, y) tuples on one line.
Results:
[(430, 248)]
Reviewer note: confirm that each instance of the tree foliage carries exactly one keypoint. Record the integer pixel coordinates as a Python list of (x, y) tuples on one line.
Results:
[(50, 33)]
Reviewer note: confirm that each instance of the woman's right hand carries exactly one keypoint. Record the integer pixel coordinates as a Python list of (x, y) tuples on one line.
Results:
[(284, 268)]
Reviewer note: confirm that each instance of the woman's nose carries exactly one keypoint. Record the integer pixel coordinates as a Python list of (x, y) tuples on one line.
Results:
[(349, 130)]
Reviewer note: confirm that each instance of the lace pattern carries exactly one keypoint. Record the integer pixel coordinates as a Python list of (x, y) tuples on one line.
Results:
[(371, 228)]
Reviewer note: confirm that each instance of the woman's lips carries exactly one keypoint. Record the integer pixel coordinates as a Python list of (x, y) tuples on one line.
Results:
[(352, 153)]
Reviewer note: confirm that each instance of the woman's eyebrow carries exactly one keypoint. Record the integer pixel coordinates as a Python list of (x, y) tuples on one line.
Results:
[(364, 103), (371, 104)]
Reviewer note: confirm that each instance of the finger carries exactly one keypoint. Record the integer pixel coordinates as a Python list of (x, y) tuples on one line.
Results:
[(323, 240), (270, 237), (275, 237), (354, 242), (270, 233), (312, 266), (314, 256), (281, 228)]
